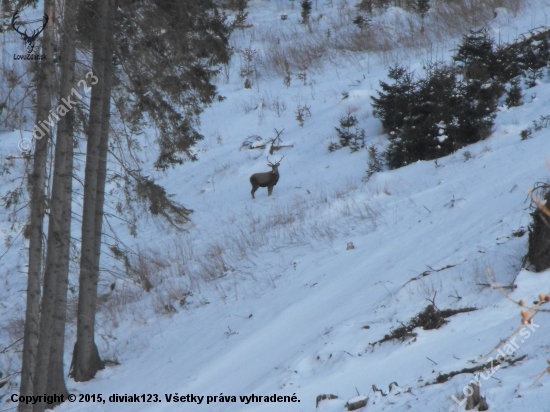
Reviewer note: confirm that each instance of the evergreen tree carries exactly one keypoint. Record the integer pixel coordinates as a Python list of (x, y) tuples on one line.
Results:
[(361, 21), (349, 135), (421, 7), (34, 231), (375, 163), (394, 104), (86, 361), (395, 100), (435, 115), (49, 374), (306, 11), (168, 79), (514, 96), (171, 53), (476, 55)]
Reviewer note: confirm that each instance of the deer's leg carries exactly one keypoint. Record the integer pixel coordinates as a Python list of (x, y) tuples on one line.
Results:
[(269, 190), (254, 188)]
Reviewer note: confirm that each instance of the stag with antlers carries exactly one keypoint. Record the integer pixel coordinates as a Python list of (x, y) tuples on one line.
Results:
[(266, 179), (28, 39)]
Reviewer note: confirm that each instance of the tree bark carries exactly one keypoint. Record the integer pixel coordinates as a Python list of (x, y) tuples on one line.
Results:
[(86, 361), (34, 229), (49, 377)]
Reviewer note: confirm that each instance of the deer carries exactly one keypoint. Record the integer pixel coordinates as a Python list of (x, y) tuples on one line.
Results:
[(29, 39), (266, 179)]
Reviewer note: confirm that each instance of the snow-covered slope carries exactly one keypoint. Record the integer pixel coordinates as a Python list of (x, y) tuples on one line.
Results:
[(296, 313)]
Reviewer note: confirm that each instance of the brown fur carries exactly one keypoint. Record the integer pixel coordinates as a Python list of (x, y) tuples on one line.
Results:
[(265, 179)]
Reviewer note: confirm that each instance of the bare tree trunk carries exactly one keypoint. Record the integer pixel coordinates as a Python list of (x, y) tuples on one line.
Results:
[(86, 361), (34, 229), (49, 377)]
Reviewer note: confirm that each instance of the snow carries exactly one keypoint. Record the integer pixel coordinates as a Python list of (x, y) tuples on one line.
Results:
[(296, 313)]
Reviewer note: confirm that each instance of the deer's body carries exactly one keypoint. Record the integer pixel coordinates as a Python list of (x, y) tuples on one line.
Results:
[(265, 179)]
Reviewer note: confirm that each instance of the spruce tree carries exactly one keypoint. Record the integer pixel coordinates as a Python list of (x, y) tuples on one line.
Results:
[(86, 361), (49, 374), (171, 51), (166, 77), (421, 7), (514, 96), (375, 163), (477, 56), (34, 232), (306, 11), (349, 135)]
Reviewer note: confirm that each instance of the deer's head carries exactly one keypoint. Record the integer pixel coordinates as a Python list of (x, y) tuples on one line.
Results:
[(29, 39)]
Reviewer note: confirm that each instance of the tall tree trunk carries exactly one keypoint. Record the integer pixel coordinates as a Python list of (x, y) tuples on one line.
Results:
[(86, 361), (34, 229), (49, 377)]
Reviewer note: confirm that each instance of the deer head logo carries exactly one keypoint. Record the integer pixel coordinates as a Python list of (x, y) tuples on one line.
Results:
[(29, 39)]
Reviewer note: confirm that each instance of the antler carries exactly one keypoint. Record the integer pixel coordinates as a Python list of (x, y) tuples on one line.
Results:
[(35, 33), (279, 162), (276, 164), (15, 17)]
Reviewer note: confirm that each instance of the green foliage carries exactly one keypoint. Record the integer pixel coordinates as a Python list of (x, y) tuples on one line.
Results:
[(514, 96), (349, 135), (361, 21), (395, 100), (375, 163), (159, 202), (430, 117), (171, 52), (421, 7), (306, 11), (538, 125), (476, 54), (526, 57)]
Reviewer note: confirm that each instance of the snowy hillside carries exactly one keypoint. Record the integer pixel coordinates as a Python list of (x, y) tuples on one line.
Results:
[(297, 311)]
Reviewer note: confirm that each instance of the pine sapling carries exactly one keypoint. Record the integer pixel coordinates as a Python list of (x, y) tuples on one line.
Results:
[(306, 11), (514, 96), (375, 162)]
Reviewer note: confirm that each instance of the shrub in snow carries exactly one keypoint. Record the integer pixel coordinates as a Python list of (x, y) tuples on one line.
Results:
[(514, 96), (306, 11), (375, 162), (433, 116), (526, 57), (349, 135), (476, 55), (303, 112)]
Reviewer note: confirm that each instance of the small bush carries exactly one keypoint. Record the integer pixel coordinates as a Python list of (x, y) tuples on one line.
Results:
[(514, 96), (349, 135), (303, 112), (361, 21), (375, 162), (421, 7), (538, 125), (306, 11)]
